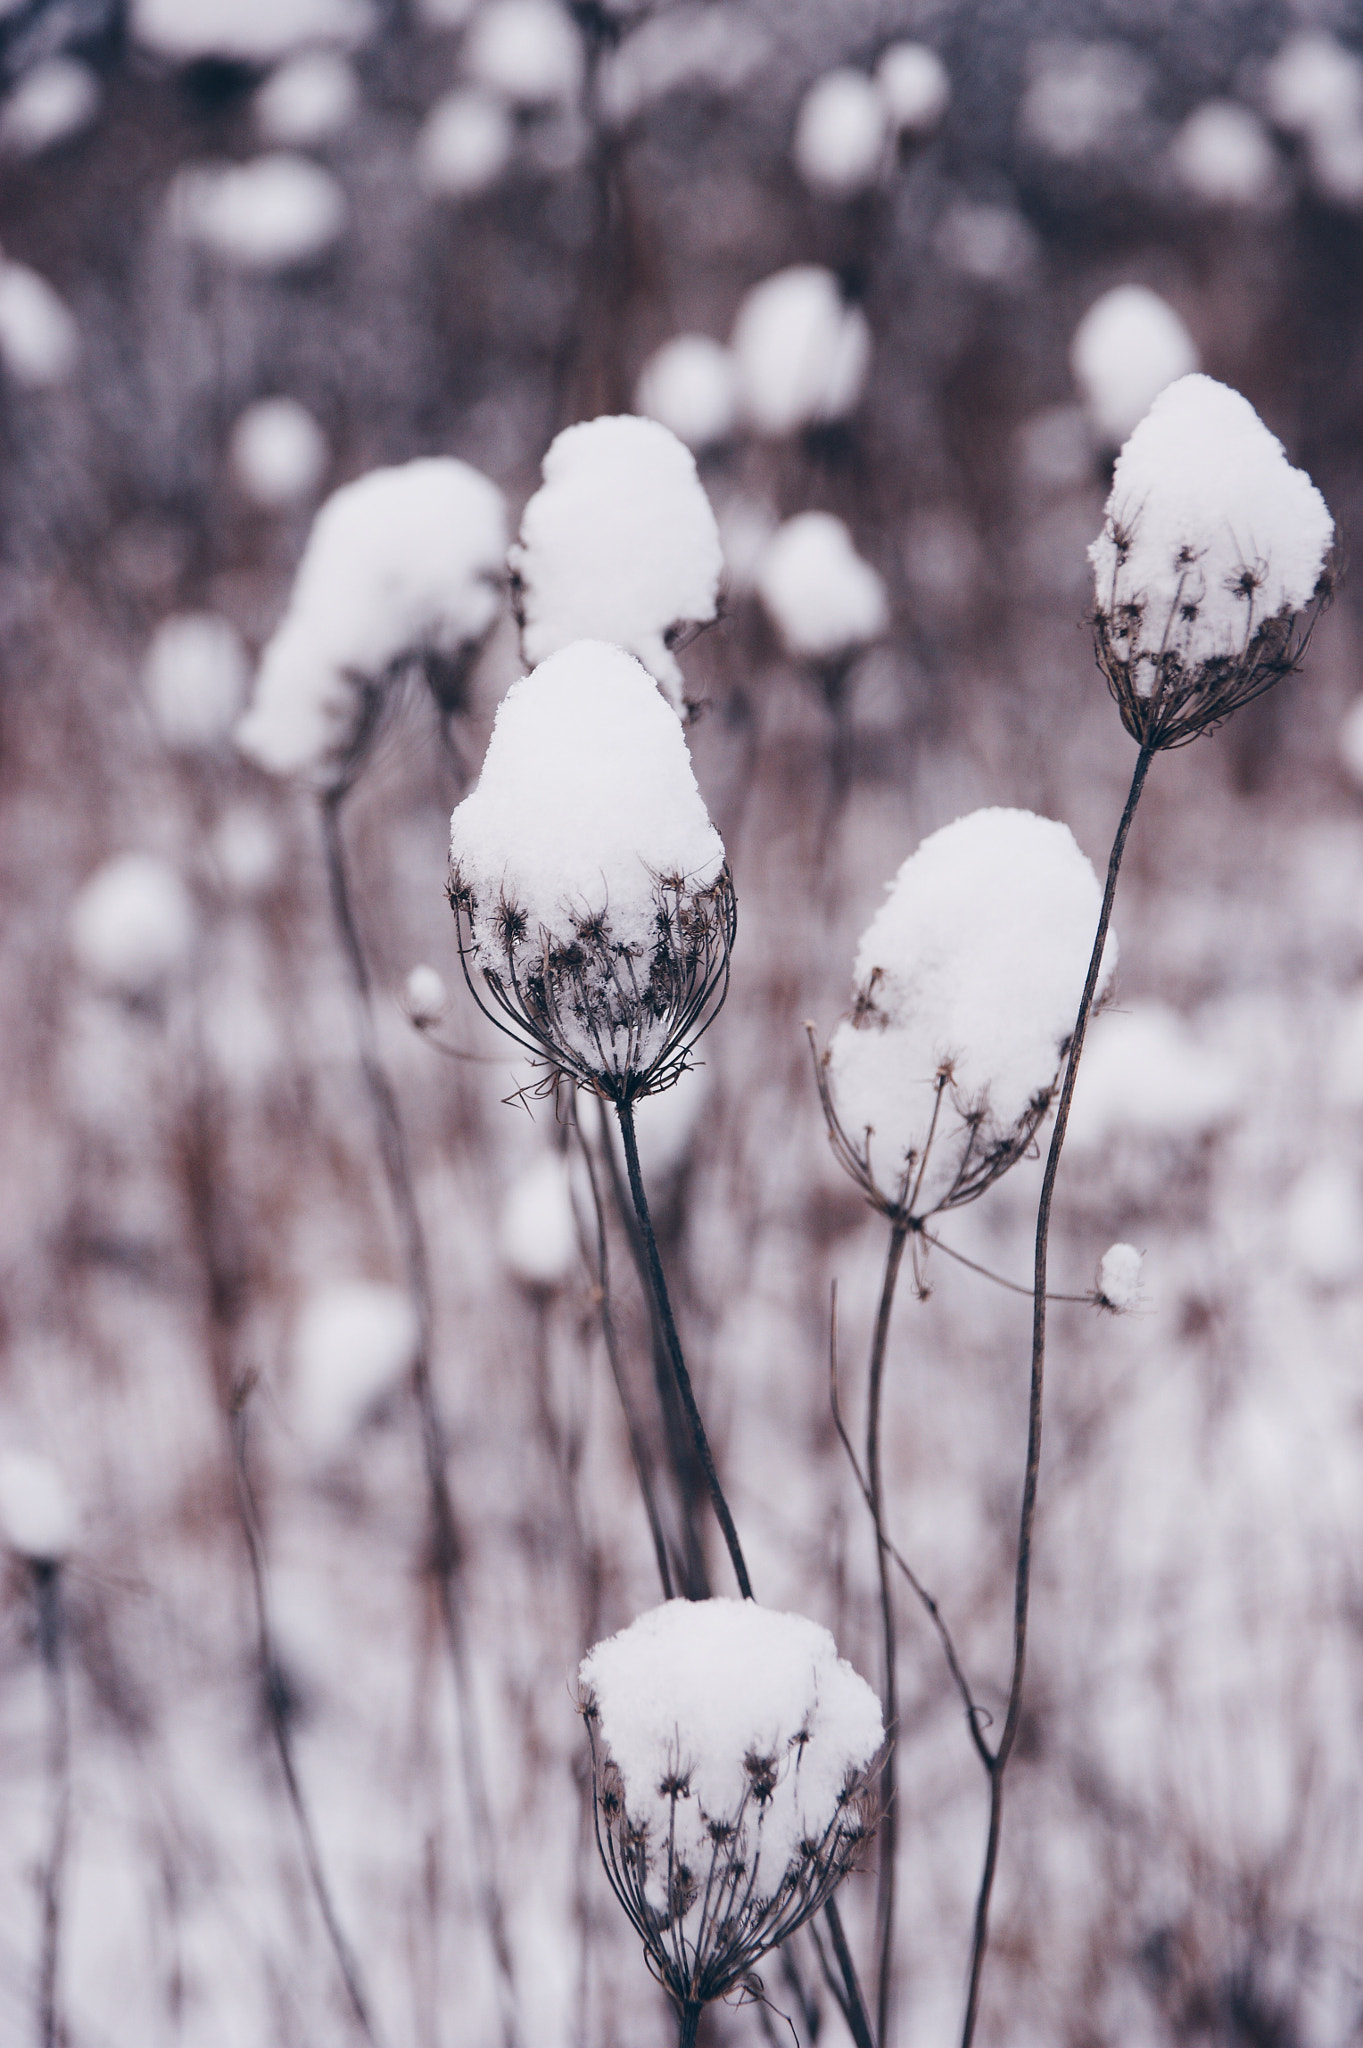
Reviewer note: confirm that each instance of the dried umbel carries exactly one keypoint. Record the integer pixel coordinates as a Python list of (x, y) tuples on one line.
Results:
[(732, 1758), (966, 984), (594, 903), (1211, 567)]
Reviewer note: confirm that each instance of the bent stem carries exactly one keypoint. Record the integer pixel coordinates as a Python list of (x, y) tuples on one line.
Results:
[(1023, 1576), (885, 1875), (624, 1110), (446, 1540), (47, 1592)]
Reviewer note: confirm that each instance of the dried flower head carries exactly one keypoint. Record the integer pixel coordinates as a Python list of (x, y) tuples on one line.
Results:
[(1211, 566), (733, 1753), (966, 985), (591, 889)]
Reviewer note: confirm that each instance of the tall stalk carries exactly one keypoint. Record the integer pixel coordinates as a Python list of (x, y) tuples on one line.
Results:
[(447, 1548), (1003, 1749), (47, 1592), (889, 1820)]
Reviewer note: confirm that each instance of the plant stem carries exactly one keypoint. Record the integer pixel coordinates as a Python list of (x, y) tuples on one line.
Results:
[(447, 1547), (1023, 1577), (625, 1112), (47, 1590), (889, 1830), (690, 2023)]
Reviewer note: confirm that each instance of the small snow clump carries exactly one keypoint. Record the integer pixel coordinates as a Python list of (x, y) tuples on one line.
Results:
[(270, 214), (401, 565), (307, 100), (38, 1519), (195, 676), (132, 925), (247, 31), (731, 1750), (1223, 155), (526, 51), (841, 134), (1212, 545), (802, 352), (689, 386), (353, 1343), (1119, 1277), (588, 876), (278, 452), (54, 101), (465, 143), (822, 598), (426, 997), (1129, 345), (619, 543), (966, 985), (39, 338), (537, 1233), (915, 87), (1314, 86)]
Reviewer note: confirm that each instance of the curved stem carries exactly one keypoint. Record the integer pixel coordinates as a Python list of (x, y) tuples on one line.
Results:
[(446, 1538), (1023, 1575), (625, 1113), (885, 1875)]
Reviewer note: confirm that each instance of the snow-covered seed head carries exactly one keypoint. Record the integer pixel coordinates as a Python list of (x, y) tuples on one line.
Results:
[(1211, 566), (593, 899), (619, 543), (966, 985), (403, 570), (733, 1753)]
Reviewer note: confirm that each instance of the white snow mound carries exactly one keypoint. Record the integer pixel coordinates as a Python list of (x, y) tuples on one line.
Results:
[(802, 352), (38, 1518), (132, 925), (823, 599), (1129, 345)]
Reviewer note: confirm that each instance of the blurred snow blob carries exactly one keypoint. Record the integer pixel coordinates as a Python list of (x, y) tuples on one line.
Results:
[(465, 143), (1223, 155), (619, 543), (915, 87), (1082, 98), (689, 387), (271, 213), (246, 31), (195, 676), (1129, 345), (966, 985), (990, 243), (38, 1519), (537, 1233), (307, 100), (53, 101), (1313, 88), (246, 846), (1119, 1277), (840, 134), (132, 925), (1146, 1074), (425, 995), (736, 1735), (278, 452), (1212, 541), (526, 51), (39, 339), (403, 564), (1323, 1218), (353, 1344), (802, 352), (822, 598), (708, 47)]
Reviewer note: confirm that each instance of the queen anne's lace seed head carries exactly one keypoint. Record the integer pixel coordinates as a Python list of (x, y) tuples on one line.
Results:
[(593, 899), (733, 1753), (966, 985), (1210, 567)]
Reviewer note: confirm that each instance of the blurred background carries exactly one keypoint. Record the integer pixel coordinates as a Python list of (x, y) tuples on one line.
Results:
[(920, 267)]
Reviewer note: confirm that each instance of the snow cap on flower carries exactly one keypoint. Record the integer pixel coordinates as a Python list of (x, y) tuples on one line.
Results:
[(967, 982), (38, 1518), (1129, 345), (1119, 1277), (688, 387), (802, 352), (841, 132), (1213, 544), (731, 1749), (403, 564), (823, 599), (132, 926), (619, 543), (425, 996), (590, 879)]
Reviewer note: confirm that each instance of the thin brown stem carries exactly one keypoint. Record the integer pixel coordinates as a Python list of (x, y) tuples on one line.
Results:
[(447, 1547), (987, 1273), (1023, 1575), (690, 2023), (625, 1113), (854, 2010), (875, 1488)]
